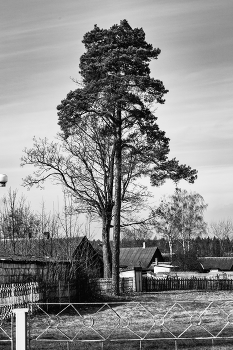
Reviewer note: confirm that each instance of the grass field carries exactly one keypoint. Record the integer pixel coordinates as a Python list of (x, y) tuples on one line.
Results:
[(157, 319)]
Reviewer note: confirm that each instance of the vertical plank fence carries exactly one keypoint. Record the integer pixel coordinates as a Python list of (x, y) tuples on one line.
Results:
[(150, 284)]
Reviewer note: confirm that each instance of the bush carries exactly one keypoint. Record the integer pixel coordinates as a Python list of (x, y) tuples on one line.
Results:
[(186, 262)]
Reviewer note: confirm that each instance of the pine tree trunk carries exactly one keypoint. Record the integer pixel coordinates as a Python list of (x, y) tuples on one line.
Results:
[(107, 256), (117, 210)]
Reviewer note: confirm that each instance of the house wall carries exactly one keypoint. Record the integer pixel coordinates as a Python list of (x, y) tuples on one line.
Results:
[(158, 256), (26, 271), (18, 272), (127, 274), (136, 275), (158, 268)]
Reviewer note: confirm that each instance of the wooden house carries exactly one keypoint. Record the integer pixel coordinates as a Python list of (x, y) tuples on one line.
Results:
[(215, 264), (76, 251)]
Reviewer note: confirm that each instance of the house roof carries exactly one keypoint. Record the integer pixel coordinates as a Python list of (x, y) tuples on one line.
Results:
[(139, 256), (220, 263), (59, 248)]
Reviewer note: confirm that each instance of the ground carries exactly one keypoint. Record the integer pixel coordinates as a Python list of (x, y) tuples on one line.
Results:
[(155, 318)]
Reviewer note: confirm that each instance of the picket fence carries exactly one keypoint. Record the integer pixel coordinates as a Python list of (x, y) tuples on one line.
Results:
[(19, 294), (150, 284)]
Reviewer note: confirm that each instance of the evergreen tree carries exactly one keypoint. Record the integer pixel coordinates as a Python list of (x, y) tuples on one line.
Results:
[(119, 93), (117, 87)]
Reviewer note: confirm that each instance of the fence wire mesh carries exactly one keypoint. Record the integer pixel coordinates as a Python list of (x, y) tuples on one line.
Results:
[(6, 327), (130, 325)]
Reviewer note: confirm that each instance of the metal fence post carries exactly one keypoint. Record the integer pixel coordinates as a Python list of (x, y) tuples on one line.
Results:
[(21, 328)]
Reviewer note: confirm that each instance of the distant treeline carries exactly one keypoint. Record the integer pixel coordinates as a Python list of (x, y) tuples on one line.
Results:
[(200, 246)]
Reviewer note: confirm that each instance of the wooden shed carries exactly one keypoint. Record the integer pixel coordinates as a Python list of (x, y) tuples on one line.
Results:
[(144, 257)]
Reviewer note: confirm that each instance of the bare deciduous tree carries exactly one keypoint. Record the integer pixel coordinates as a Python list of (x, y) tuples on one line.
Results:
[(17, 220), (223, 229), (180, 217)]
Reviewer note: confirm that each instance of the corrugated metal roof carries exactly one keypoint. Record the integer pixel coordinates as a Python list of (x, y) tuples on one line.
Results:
[(220, 263), (138, 256)]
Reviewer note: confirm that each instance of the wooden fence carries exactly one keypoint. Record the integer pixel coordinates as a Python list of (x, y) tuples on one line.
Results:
[(20, 293), (162, 284), (16, 295)]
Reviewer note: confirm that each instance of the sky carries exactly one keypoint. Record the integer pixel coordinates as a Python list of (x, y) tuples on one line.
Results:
[(40, 48)]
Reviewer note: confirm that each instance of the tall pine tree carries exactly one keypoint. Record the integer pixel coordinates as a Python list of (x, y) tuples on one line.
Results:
[(118, 92)]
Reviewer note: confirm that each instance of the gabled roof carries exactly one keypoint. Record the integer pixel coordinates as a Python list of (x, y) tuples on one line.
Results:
[(139, 256), (214, 263), (57, 248)]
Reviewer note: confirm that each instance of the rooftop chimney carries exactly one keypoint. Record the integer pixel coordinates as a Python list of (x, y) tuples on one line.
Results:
[(46, 235)]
